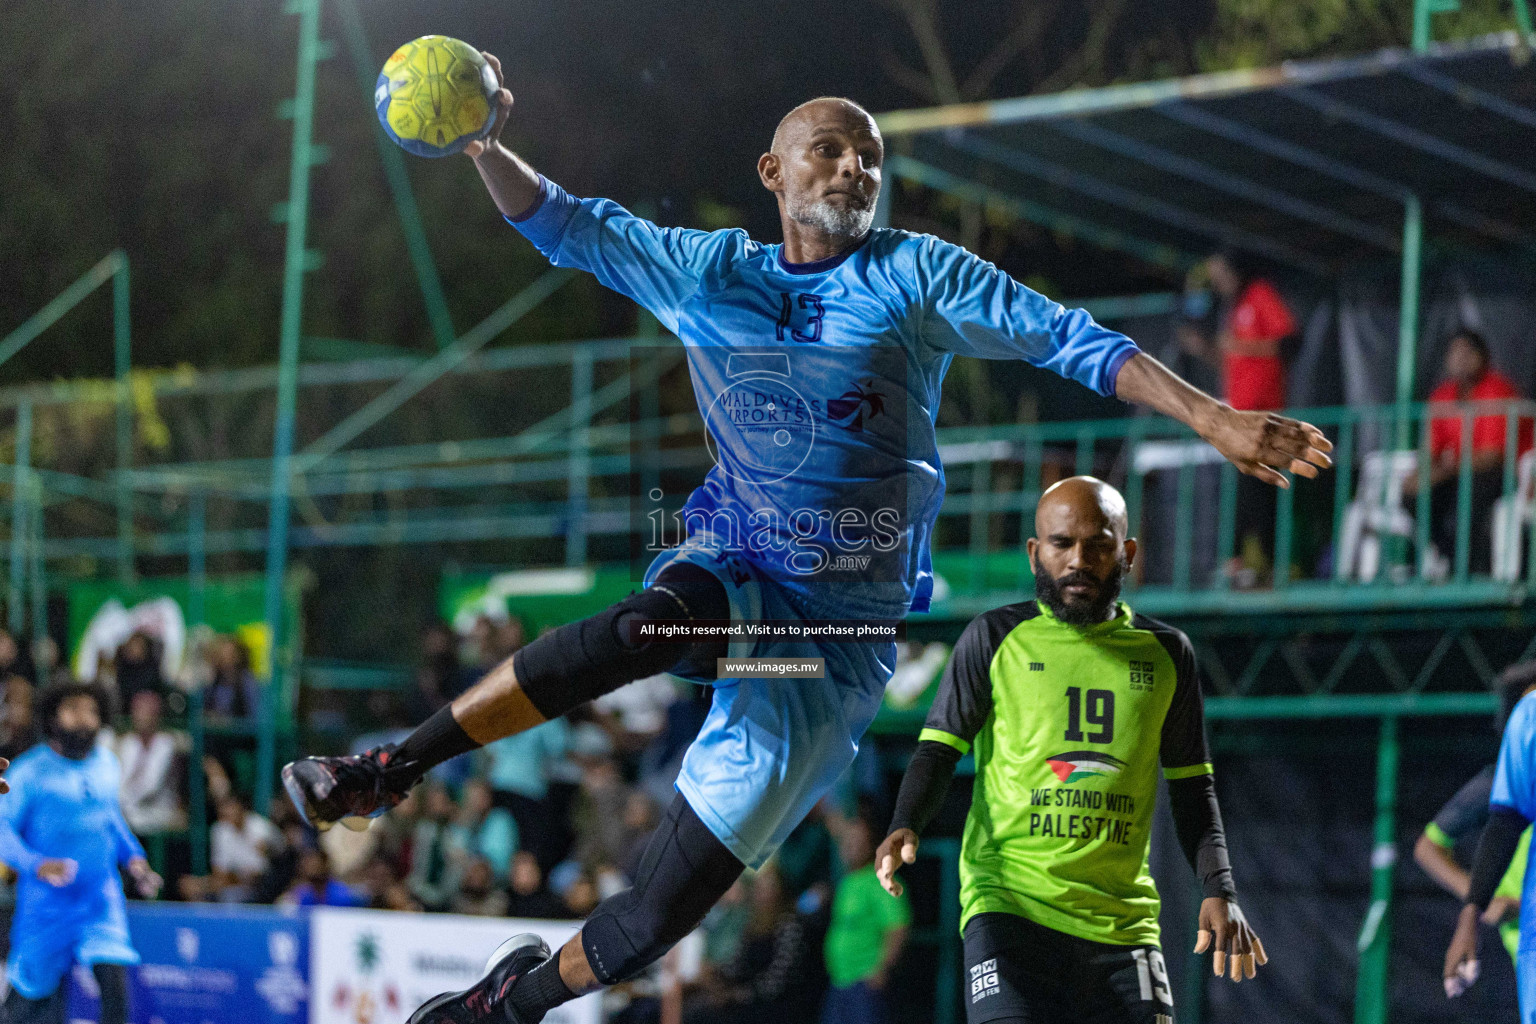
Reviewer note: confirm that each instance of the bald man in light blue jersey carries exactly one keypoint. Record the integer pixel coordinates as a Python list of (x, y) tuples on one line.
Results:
[(817, 367)]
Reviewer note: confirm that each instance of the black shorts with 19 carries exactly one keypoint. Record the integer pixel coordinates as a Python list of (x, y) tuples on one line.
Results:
[(1020, 972)]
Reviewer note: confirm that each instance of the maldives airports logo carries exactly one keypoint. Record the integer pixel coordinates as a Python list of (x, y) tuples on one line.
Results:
[(808, 456), (1083, 764)]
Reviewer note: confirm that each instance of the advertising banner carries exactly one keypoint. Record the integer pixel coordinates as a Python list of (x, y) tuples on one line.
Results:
[(210, 965), (377, 966)]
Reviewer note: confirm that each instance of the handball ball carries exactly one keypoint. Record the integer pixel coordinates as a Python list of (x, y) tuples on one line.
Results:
[(435, 96)]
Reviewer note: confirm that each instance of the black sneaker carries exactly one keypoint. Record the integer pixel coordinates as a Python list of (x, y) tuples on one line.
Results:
[(485, 1000), (349, 789)]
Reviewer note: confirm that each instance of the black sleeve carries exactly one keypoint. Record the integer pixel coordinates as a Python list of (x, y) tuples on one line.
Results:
[(1185, 752), (1467, 811), (1494, 852), (924, 785), (1197, 820), (964, 699), (959, 711)]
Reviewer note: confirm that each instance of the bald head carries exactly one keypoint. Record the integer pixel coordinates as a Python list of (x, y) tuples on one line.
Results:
[(821, 112), (1085, 498), (1080, 552)]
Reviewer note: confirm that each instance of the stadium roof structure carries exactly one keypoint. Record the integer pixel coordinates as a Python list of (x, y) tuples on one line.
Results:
[(1308, 164), (1313, 165)]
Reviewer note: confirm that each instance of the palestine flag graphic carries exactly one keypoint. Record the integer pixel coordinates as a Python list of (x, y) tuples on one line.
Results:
[(1083, 764)]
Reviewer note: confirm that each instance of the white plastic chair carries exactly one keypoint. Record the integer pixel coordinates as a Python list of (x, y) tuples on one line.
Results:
[(1511, 515), (1376, 512)]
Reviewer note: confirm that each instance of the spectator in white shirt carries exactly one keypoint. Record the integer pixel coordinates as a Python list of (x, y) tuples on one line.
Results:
[(241, 843), (147, 754)]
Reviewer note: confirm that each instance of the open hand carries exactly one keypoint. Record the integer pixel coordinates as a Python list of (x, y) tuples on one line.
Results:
[(1263, 443), (503, 101), (1238, 951), (900, 847)]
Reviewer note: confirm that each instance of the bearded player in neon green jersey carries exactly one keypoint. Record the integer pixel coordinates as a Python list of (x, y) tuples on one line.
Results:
[(1070, 703)]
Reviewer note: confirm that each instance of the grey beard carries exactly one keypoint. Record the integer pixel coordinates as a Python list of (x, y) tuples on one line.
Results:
[(843, 222)]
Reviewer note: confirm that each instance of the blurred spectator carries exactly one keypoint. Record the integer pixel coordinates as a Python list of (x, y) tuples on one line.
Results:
[(763, 982), (509, 638), (147, 754), (136, 668), (597, 815), (1254, 321), (480, 647), (1253, 325), (386, 890), (581, 896), (18, 730), (635, 714), (639, 823), (439, 678), (13, 659), (518, 771), (283, 865), (663, 758), (433, 875), (234, 691), (241, 844), (484, 830), (315, 886), (478, 894), (868, 931), (1469, 377), (527, 895)]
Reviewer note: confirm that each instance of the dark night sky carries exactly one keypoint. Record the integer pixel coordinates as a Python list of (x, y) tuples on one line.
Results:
[(148, 124)]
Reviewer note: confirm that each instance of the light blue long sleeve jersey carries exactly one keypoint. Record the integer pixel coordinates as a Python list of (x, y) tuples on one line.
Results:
[(60, 808), (819, 383)]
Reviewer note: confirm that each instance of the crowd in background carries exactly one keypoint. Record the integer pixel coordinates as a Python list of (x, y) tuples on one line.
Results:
[(539, 825)]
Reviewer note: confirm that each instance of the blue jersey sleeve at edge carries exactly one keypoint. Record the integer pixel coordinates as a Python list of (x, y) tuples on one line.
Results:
[(973, 308)]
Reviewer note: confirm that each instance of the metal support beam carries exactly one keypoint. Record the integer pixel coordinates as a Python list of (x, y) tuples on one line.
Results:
[(1148, 206), (122, 364), (1471, 94), (1223, 181), (15, 607), (295, 263), (579, 478), (399, 181), (62, 303), (511, 311), (1376, 933), (197, 616), (1413, 138), (1156, 253), (1408, 316), (1366, 181)]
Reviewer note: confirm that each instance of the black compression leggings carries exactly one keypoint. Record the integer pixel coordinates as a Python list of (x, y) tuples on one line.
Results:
[(111, 979), (684, 871)]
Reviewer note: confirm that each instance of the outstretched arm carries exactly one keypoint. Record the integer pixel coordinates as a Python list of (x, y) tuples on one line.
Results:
[(1258, 443), (512, 183)]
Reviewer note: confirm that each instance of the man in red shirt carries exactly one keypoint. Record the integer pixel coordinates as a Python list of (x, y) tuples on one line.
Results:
[(1254, 322), (1469, 377)]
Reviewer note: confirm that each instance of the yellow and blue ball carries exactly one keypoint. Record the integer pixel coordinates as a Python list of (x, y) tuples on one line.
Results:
[(435, 96)]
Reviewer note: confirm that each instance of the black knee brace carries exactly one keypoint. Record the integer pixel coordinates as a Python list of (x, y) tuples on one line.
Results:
[(112, 980), (581, 661), (683, 872)]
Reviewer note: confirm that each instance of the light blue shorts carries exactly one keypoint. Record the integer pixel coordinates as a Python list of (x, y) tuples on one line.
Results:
[(45, 946), (771, 748)]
